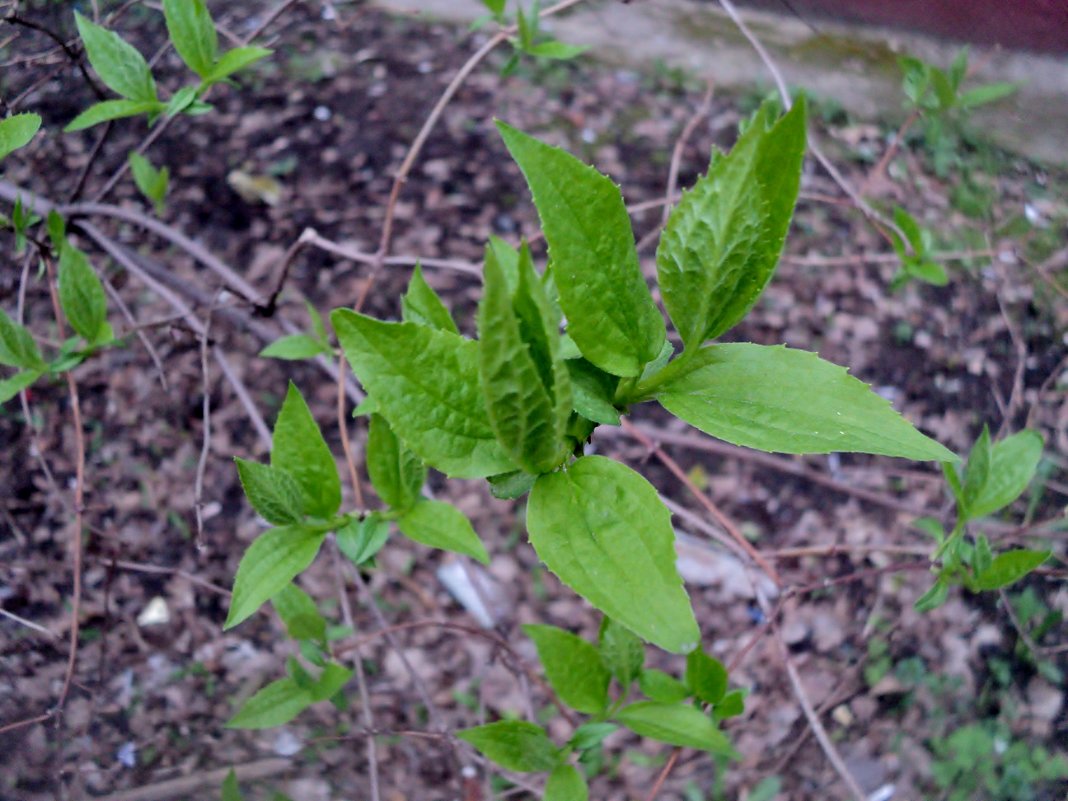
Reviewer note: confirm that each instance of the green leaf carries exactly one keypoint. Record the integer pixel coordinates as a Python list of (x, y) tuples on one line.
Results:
[(17, 347), (16, 131), (930, 272), (507, 258), (1010, 567), (590, 735), (277, 703), (731, 705), (509, 486), (293, 347), (566, 784), (183, 99), (982, 556), (192, 33), (396, 473), (318, 326), (573, 668), (230, 791), (519, 405), (270, 563), (273, 492), (111, 110), (997, 474), (440, 525), (593, 391), (622, 653), (299, 614), (603, 530), (496, 7), (360, 540), (675, 724), (57, 229), (789, 401), (934, 597), (723, 241), (988, 93), (330, 682), (514, 745), (539, 325), (421, 304), (706, 677), (426, 384), (915, 235), (13, 385), (656, 685), (943, 88), (611, 315), (523, 23), (151, 182), (120, 66), (299, 448), (557, 51), (81, 294), (235, 60)]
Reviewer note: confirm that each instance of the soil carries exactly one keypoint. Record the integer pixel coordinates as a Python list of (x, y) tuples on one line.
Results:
[(325, 124)]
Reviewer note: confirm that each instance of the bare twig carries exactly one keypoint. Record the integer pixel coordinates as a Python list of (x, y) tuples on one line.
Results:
[(703, 499), (471, 631), (880, 221), (429, 124), (1016, 397), (120, 255), (161, 127), (140, 567), (669, 766), (212, 779), (361, 679), (136, 329), (829, 749), (680, 145), (205, 446), (79, 495), (230, 276), (28, 623)]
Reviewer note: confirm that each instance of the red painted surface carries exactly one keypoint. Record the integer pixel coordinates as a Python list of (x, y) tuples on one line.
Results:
[(1040, 25)]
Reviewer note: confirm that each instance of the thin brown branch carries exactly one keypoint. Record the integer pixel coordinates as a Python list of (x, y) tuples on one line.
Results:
[(209, 780), (162, 125), (669, 766), (770, 461), (879, 170), (703, 499), (361, 679), (231, 277), (140, 567), (137, 330), (429, 124), (460, 628), (120, 255), (814, 722), (79, 495), (205, 444), (881, 223), (28, 623), (857, 259)]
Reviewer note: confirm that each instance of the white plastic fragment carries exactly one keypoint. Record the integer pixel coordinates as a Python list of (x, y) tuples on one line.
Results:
[(474, 589), (154, 613)]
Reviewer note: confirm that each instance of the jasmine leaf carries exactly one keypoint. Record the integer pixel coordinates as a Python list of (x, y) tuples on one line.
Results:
[(603, 530), (789, 401), (611, 315), (426, 384)]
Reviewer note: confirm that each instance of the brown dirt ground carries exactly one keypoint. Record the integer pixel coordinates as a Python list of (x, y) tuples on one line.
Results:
[(330, 116)]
